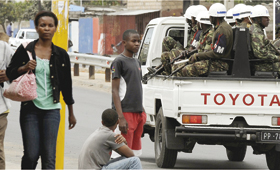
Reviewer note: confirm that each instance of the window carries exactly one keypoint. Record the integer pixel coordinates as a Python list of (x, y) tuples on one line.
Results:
[(145, 46), (32, 35), (20, 36), (177, 34)]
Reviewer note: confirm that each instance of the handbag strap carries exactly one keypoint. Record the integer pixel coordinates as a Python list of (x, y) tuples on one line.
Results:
[(24, 44)]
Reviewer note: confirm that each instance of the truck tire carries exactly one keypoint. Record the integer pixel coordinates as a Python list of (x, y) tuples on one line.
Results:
[(236, 154), (165, 158), (272, 159)]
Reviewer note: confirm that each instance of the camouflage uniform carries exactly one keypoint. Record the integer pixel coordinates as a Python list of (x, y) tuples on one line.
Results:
[(191, 35), (238, 24), (205, 40), (262, 49), (170, 49), (204, 45), (276, 43), (243, 25), (223, 40)]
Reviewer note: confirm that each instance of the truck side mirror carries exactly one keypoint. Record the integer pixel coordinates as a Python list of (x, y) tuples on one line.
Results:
[(20, 37)]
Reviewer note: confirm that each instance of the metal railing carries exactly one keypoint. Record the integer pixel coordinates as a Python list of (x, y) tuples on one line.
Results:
[(91, 60)]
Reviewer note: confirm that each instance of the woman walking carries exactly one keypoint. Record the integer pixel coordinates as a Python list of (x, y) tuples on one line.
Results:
[(39, 118)]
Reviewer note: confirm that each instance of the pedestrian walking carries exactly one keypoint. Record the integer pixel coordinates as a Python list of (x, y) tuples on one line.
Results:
[(40, 118), (9, 29), (97, 149), (6, 53), (127, 91)]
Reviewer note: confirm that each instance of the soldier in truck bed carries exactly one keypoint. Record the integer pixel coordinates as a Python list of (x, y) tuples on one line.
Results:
[(261, 46), (205, 38), (171, 49), (222, 41), (241, 13)]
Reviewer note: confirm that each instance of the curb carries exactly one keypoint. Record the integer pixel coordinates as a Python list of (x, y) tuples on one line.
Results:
[(98, 83)]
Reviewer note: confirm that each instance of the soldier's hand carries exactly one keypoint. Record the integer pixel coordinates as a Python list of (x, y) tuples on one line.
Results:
[(184, 54), (192, 59)]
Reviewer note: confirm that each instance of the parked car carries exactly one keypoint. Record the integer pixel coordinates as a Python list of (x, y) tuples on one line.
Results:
[(23, 35)]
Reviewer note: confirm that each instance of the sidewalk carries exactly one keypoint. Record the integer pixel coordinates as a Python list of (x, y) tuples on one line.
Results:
[(97, 84)]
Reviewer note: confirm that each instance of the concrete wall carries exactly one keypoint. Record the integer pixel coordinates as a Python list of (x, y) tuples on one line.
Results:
[(85, 35), (167, 7), (74, 35)]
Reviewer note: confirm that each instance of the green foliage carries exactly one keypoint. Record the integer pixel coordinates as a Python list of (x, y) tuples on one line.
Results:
[(6, 12), (33, 9), (19, 11), (98, 2), (215, 1)]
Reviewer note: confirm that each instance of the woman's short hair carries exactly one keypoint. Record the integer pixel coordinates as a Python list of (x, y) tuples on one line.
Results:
[(43, 14), (109, 117)]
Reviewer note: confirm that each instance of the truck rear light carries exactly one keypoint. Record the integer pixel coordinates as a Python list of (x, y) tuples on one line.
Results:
[(194, 119), (276, 121)]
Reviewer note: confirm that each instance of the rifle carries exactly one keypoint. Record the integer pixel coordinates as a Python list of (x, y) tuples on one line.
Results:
[(274, 48), (179, 62), (150, 75)]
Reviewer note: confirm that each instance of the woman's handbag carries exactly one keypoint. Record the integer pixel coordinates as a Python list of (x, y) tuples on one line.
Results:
[(24, 87)]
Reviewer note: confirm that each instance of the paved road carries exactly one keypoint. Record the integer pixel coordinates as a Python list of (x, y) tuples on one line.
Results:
[(88, 107)]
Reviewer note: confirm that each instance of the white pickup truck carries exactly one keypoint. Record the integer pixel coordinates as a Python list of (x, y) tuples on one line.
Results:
[(23, 35), (236, 109)]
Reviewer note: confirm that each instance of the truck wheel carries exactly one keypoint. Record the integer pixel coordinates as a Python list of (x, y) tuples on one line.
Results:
[(272, 159), (165, 158), (236, 153)]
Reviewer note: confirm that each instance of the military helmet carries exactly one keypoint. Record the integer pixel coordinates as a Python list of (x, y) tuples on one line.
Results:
[(203, 17), (259, 11), (188, 12), (197, 10), (217, 10), (236, 10), (245, 11), (229, 17)]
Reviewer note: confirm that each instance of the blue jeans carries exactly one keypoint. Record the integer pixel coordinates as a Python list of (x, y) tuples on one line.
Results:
[(39, 130), (123, 163)]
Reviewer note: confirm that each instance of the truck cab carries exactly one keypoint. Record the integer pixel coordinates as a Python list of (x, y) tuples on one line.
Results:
[(238, 108)]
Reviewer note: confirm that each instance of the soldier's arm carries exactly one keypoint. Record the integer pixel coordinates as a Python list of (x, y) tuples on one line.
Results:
[(261, 49), (218, 49)]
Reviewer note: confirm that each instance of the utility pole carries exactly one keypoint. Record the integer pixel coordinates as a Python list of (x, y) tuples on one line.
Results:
[(60, 9)]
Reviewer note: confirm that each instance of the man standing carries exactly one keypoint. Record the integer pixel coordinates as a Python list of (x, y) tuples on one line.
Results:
[(5, 57), (127, 91), (9, 30)]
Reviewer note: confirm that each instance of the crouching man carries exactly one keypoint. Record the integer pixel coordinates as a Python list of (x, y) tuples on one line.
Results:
[(97, 149)]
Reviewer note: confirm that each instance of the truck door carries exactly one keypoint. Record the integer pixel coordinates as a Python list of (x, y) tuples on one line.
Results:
[(144, 49)]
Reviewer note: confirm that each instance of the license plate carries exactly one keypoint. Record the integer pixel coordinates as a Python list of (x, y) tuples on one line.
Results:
[(270, 136)]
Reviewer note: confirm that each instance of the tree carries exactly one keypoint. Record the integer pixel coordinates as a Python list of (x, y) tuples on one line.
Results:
[(20, 11), (5, 13)]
